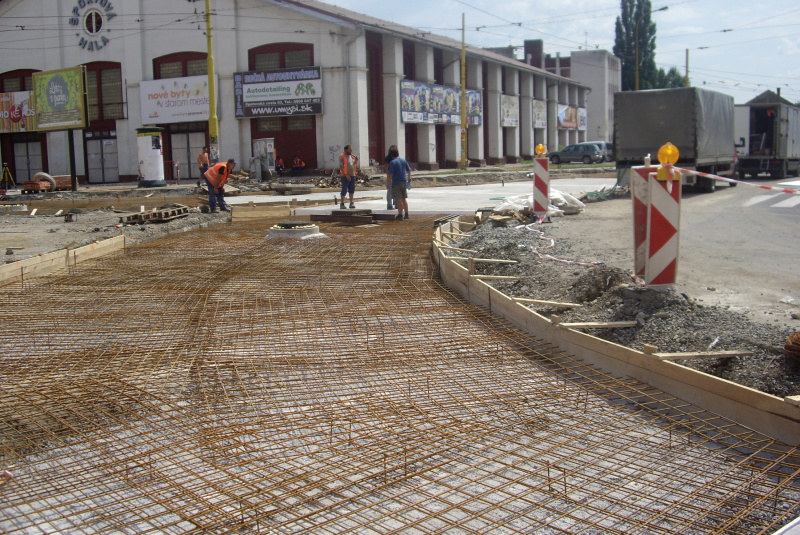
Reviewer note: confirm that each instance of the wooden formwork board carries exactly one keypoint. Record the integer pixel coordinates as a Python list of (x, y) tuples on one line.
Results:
[(48, 263), (776, 417)]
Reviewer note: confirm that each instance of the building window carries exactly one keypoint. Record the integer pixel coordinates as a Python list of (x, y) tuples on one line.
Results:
[(281, 56), (180, 65), (300, 122), (104, 91), (19, 80), (297, 58), (197, 67), (268, 124)]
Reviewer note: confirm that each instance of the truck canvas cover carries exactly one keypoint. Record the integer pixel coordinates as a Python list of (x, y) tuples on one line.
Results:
[(697, 121)]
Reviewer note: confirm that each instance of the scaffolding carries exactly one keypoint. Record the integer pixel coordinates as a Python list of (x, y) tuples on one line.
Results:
[(221, 382)]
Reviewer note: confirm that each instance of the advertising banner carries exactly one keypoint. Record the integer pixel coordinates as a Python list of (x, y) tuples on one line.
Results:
[(567, 117), (16, 112), (509, 110), (425, 103), (175, 100), (582, 119), (58, 98), (278, 93), (539, 114)]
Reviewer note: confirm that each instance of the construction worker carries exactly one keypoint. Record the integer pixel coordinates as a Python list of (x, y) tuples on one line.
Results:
[(297, 165), (348, 168), (216, 176), (203, 163)]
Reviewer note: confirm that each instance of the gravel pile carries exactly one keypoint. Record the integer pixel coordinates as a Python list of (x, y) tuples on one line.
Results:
[(554, 266)]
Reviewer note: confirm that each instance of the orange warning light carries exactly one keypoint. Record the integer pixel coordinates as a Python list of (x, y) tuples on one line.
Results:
[(668, 153), (540, 149)]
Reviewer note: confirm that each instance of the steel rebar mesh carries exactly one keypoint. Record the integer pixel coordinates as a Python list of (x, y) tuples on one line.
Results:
[(219, 382)]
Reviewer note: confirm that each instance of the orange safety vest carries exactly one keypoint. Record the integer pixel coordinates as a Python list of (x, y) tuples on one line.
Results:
[(218, 174), (344, 166)]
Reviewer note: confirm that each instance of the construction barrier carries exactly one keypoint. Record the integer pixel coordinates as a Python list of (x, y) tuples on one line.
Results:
[(734, 181), (541, 186)]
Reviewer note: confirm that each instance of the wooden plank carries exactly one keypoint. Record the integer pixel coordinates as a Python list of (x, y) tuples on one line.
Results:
[(442, 245), (546, 303), (601, 324), (702, 355), (496, 277)]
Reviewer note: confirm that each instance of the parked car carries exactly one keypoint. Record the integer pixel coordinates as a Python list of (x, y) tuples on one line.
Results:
[(605, 149), (580, 152)]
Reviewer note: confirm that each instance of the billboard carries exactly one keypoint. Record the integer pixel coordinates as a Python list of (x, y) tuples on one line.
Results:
[(509, 110), (16, 112), (424, 103), (567, 117), (539, 114), (175, 100), (278, 93), (59, 99)]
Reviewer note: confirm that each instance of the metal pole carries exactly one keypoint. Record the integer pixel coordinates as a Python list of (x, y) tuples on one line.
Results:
[(463, 94), (213, 122)]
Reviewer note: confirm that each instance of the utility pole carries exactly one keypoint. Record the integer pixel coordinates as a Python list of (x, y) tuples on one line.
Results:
[(463, 94), (213, 122)]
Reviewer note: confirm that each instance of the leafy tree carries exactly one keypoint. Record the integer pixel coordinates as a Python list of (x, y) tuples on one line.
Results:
[(671, 78), (633, 12)]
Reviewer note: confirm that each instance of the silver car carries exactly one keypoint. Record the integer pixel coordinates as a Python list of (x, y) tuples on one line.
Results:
[(580, 152), (605, 149)]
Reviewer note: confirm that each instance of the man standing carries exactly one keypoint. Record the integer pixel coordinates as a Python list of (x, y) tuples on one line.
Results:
[(399, 178), (386, 161), (348, 168), (216, 177), (202, 164)]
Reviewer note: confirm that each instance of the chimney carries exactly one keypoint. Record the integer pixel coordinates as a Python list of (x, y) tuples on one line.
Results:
[(534, 51)]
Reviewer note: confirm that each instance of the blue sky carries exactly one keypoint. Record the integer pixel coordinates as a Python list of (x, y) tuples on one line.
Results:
[(739, 47)]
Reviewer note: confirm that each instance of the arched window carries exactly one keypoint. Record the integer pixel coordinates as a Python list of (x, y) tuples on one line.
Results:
[(180, 64), (18, 80)]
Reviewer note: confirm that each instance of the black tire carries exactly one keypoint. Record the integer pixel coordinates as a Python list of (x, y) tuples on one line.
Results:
[(587, 160), (707, 185), (555, 160)]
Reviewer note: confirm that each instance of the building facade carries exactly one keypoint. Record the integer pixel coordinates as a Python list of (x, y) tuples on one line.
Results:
[(310, 76), (598, 70)]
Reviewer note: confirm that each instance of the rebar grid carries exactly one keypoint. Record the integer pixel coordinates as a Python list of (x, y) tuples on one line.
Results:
[(219, 382)]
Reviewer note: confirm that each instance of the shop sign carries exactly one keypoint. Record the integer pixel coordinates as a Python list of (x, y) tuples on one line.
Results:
[(90, 18), (278, 93), (58, 98), (175, 100), (16, 112)]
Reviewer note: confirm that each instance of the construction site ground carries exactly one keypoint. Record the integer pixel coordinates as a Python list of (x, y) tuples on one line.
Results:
[(211, 380)]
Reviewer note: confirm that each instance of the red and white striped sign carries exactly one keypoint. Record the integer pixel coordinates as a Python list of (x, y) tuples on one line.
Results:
[(541, 186), (640, 193), (663, 223)]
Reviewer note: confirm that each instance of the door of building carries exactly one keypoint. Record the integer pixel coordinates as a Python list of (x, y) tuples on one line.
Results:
[(102, 162), (186, 147), (27, 160)]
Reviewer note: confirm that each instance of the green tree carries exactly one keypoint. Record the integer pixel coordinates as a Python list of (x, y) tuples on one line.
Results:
[(633, 13), (671, 78)]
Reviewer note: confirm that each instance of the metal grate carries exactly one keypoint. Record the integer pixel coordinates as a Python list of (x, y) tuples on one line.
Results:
[(219, 382)]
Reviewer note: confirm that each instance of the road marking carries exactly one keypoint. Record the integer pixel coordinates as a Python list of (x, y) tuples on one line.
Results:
[(791, 202), (760, 198)]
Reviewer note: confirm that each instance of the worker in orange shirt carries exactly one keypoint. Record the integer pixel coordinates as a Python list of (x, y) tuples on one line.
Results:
[(215, 177)]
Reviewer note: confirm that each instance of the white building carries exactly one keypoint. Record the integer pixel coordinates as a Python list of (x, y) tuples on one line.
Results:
[(598, 70), (146, 64)]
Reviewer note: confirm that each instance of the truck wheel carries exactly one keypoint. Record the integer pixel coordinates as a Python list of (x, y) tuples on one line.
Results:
[(707, 185), (587, 160), (555, 160)]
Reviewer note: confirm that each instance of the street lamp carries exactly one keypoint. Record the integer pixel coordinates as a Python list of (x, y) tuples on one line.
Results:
[(637, 40)]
